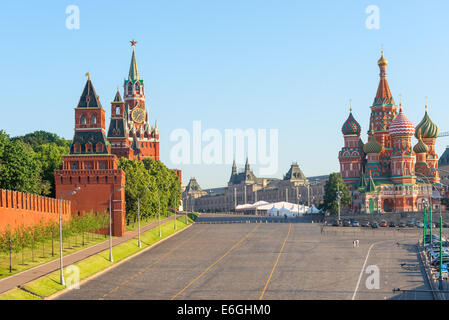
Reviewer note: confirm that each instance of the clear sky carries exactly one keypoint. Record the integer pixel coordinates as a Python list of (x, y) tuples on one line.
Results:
[(289, 65)]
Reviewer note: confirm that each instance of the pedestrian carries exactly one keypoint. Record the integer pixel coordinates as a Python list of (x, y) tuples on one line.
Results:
[(357, 242), (353, 243)]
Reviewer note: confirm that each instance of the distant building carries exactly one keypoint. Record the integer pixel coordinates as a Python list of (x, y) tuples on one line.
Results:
[(244, 187)]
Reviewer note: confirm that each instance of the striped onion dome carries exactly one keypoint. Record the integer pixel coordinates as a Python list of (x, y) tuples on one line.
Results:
[(427, 128), (351, 126), (401, 125), (420, 147), (372, 146)]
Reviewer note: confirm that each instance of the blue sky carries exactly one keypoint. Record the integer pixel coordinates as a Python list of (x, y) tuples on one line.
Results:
[(288, 65)]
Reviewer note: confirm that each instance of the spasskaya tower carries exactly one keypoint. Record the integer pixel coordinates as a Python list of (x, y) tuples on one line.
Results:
[(130, 133)]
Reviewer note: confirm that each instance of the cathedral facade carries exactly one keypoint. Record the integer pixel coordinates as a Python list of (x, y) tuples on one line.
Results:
[(388, 173)]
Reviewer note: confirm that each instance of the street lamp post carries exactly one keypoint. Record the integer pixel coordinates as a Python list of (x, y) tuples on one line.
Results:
[(175, 210), (425, 223), (138, 222), (338, 200), (110, 222), (159, 211), (61, 264)]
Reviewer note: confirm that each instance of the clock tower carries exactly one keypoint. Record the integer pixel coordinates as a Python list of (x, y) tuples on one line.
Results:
[(138, 138)]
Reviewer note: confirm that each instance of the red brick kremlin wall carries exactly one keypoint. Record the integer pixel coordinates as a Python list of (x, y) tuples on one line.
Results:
[(18, 208)]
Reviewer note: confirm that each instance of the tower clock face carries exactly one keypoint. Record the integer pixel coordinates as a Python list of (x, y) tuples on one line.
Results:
[(138, 115)]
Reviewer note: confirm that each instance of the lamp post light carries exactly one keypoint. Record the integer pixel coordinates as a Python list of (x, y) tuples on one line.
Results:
[(110, 222), (61, 264)]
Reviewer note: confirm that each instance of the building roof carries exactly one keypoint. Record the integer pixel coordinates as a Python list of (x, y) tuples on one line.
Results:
[(444, 159), (294, 173), (401, 125), (351, 126), (133, 75), (89, 98), (427, 128), (193, 186), (383, 95)]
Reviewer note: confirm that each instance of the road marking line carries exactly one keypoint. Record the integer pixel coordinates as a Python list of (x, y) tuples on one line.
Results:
[(151, 264), (363, 268), (276, 263), (213, 264)]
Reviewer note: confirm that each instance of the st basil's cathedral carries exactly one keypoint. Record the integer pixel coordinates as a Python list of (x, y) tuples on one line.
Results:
[(387, 173)]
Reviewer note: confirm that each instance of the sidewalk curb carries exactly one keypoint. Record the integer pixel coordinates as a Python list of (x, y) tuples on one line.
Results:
[(51, 297)]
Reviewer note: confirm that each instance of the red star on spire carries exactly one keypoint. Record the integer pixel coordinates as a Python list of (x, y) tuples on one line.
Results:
[(133, 43)]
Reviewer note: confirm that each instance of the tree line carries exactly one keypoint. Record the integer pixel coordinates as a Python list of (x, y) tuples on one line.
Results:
[(143, 181), (27, 163)]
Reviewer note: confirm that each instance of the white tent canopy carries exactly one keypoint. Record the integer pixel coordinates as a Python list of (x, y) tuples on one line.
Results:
[(282, 207), (313, 209)]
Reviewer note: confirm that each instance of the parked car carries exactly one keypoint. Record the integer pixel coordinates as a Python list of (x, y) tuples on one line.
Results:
[(383, 223), (336, 223), (419, 224), (410, 224), (445, 225), (356, 223), (365, 224), (374, 225), (402, 224), (392, 224), (346, 223)]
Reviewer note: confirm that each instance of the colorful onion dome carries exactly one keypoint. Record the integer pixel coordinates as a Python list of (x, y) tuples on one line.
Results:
[(372, 146), (420, 147), (382, 61), (351, 126), (401, 125), (427, 128)]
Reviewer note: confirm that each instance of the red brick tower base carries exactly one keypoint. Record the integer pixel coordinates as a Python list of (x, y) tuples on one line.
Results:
[(98, 177)]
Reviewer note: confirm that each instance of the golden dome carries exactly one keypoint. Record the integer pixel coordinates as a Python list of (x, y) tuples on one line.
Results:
[(382, 61)]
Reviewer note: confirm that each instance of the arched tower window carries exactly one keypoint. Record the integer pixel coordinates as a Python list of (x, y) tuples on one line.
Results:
[(83, 119), (137, 88), (130, 88), (93, 119), (117, 110)]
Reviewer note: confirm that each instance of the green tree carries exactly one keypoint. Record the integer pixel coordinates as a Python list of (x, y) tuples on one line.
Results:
[(334, 183), (8, 244), (143, 180), (23, 238), (19, 169), (38, 138), (50, 157)]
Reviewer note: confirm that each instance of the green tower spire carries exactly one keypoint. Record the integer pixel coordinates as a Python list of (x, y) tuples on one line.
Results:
[(133, 70)]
